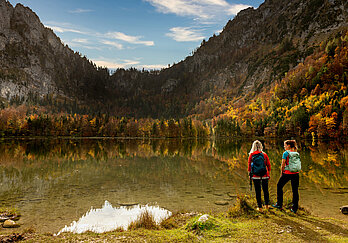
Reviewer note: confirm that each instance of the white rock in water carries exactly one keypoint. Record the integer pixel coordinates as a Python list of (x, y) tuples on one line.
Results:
[(10, 224), (3, 218), (204, 218), (108, 218), (344, 209)]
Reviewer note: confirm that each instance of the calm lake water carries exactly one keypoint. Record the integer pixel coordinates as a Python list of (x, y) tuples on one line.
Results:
[(56, 181)]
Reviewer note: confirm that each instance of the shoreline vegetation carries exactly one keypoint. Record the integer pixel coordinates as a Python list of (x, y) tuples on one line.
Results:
[(240, 223)]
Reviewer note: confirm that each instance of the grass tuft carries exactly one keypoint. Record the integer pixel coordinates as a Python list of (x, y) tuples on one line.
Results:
[(245, 206), (145, 221), (9, 211), (170, 223)]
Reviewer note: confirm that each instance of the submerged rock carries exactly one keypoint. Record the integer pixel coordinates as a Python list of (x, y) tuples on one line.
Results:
[(231, 195), (10, 224), (127, 204), (221, 203)]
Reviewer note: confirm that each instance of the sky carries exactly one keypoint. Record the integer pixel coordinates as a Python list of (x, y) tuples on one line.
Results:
[(147, 34)]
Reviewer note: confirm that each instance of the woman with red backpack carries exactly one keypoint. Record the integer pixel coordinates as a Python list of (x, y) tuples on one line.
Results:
[(259, 169)]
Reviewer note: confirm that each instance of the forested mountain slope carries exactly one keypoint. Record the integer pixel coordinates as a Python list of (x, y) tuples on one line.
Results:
[(253, 52)]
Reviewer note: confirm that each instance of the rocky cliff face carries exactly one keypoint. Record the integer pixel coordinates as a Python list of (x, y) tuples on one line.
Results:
[(21, 71), (34, 62)]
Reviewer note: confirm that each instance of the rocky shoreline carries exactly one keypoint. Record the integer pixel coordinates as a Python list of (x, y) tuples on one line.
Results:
[(240, 221), (9, 220)]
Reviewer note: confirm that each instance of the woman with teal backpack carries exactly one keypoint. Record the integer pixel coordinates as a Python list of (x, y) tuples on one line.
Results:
[(259, 169), (290, 169)]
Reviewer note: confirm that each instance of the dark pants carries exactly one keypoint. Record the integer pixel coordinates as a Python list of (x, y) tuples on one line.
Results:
[(295, 181), (257, 185)]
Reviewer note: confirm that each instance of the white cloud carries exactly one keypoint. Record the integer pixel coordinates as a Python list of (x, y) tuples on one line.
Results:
[(154, 66), (214, 2), (99, 37), (179, 7), (84, 41), (114, 64), (112, 43), (129, 38), (80, 10), (65, 29), (197, 9), (77, 44), (234, 9), (183, 34)]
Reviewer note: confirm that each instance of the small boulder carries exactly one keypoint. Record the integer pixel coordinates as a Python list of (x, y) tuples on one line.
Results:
[(204, 218), (344, 209), (10, 224)]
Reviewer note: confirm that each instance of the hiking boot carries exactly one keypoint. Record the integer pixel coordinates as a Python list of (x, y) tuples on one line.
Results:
[(292, 210), (277, 206)]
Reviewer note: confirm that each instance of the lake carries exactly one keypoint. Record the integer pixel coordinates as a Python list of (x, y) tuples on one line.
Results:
[(54, 182)]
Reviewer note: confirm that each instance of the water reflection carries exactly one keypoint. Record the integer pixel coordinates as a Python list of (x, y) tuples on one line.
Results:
[(55, 181), (109, 218)]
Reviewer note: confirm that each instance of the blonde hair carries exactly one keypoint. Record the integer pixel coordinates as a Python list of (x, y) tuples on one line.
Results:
[(257, 146)]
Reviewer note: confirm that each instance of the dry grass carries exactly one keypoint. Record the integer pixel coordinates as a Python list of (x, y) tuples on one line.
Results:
[(145, 221), (245, 206)]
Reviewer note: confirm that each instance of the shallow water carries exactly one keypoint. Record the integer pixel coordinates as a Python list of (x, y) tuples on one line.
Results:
[(109, 218), (54, 182)]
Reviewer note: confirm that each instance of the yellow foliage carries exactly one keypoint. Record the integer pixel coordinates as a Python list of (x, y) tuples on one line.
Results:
[(93, 121), (330, 122), (91, 153)]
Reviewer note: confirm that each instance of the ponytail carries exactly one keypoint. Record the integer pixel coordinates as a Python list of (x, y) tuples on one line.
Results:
[(291, 143)]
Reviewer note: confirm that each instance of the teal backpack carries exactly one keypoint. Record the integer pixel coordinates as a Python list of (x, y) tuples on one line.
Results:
[(294, 162)]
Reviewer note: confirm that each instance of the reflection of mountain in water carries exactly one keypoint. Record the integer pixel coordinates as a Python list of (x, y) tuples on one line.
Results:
[(59, 180), (322, 164), (108, 218)]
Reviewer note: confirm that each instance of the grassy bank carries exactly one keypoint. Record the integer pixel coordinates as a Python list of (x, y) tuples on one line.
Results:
[(240, 223)]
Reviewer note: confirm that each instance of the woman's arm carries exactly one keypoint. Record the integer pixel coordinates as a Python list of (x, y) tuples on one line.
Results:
[(283, 166), (268, 164)]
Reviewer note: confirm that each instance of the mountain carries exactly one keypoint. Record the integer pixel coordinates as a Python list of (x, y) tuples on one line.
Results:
[(253, 51), (35, 64)]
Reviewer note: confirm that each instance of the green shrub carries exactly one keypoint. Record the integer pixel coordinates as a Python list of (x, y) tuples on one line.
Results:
[(198, 225)]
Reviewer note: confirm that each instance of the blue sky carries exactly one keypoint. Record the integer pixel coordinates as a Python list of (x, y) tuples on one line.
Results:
[(146, 34)]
